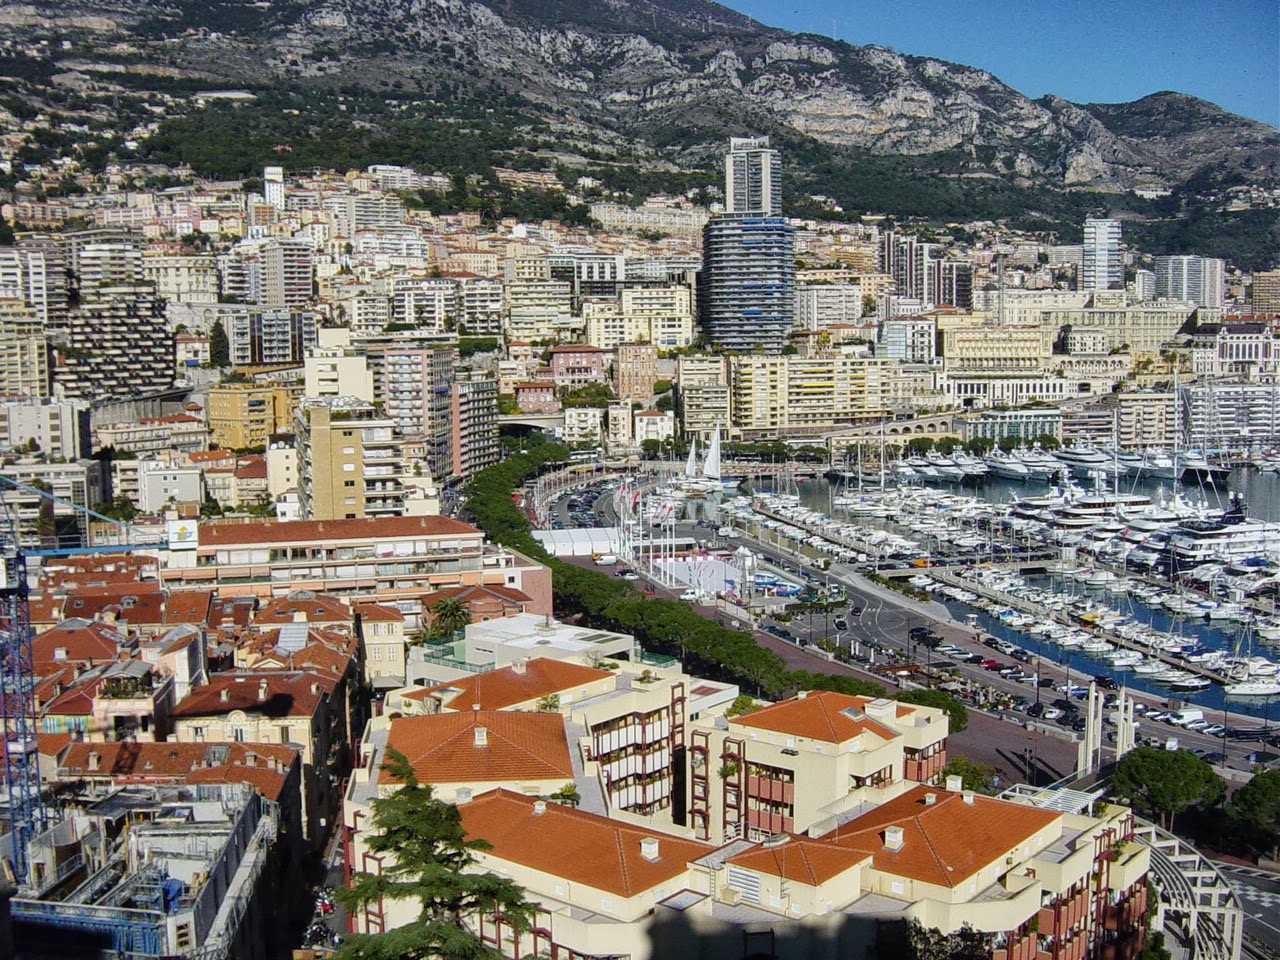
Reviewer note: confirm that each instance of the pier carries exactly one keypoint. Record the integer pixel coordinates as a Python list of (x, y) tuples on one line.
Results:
[(1019, 603)]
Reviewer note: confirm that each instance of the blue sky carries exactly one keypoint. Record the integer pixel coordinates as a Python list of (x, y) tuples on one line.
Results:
[(1088, 51)]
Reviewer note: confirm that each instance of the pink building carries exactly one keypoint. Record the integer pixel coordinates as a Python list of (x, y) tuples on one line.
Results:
[(537, 396), (576, 365)]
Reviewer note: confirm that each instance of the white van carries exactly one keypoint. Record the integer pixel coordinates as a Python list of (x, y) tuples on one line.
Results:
[(1183, 717), (605, 559)]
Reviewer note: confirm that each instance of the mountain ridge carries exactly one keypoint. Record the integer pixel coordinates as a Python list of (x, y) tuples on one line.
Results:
[(661, 82)]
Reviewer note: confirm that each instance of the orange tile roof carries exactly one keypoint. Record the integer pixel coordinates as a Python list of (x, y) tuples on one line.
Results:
[(134, 603), (804, 861), (288, 694), (944, 843), (581, 847), (820, 715), (379, 613), (315, 608), (80, 639), (503, 688), (188, 606), (189, 762), (308, 531), (521, 746)]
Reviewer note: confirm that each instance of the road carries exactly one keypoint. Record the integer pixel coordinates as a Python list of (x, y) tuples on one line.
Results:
[(1259, 893)]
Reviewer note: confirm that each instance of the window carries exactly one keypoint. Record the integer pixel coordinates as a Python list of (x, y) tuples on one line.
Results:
[(197, 733), (348, 483), (237, 735)]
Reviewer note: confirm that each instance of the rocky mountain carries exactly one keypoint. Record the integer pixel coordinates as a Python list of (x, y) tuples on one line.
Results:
[(660, 83)]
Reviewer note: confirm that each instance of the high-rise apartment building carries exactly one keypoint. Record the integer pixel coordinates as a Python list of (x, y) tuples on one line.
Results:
[(116, 342), (1197, 279), (272, 335), (473, 422), (746, 291), (349, 460), (1102, 266), (24, 279), (24, 351), (412, 382), (752, 177), (273, 186), (273, 272), (1266, 293)]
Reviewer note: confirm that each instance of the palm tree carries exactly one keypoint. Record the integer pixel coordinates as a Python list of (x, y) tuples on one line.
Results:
[(449, 615)]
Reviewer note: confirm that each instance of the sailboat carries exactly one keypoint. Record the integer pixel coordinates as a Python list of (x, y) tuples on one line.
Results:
[(698, 483), (711, 466)]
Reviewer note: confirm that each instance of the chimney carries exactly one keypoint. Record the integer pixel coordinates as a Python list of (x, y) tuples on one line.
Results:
[(968, 797), (462, 796), (955, 784), (539, 806), (482, 736), (801, 694), (518, 666), (95, 761), (250, 759), (649, 848), (930, 799), (893, 838), (299, 616), (59, 653), (315, 689), (224, 694), (262, 689)]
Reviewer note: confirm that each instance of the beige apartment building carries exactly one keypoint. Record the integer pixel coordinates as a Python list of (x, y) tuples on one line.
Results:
[(773, 395), (349, 461), (24, 351), (635, 368), (242, 415)]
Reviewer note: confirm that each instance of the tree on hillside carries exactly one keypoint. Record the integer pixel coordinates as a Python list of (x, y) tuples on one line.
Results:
[(1256, 806), (426, 858), (1165, 782), (219, 346)]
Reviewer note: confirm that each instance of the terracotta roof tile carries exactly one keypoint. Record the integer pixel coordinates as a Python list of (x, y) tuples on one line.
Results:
[(944, 843), (498, 689), (521, 746), (78, 639), (315, 608), (820, 715), (800, 860), (188, 606), (306, 531), (581, 847), (287, 694)]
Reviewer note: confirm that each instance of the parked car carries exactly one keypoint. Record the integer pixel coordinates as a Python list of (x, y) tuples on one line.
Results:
[(1050, 713)]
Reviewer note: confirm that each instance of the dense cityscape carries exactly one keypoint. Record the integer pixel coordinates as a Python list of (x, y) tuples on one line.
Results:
[(751, 585)]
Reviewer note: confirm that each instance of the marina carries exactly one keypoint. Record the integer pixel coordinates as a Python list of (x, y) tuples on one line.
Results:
[(1050, 571)]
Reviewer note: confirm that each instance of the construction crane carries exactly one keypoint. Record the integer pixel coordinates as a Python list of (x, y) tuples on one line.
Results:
[(27, 815)]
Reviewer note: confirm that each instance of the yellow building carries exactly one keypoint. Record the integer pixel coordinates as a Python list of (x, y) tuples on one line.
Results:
[(245, 415), (772, 395)]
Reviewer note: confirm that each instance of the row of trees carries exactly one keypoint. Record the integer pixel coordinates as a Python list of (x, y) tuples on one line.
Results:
[(1166, 783)]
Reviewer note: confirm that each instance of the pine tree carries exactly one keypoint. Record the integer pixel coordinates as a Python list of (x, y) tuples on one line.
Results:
[(219, 346), (427, 855)]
